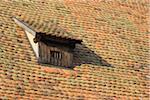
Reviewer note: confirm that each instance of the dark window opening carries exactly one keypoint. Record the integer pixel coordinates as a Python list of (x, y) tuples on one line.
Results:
[(56, 54)]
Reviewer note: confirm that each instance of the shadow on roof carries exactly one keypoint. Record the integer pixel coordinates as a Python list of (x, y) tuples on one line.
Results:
[(83, 55)]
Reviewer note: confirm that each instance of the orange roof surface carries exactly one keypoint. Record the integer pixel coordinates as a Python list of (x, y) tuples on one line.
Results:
[(51, 29), (111, 64)]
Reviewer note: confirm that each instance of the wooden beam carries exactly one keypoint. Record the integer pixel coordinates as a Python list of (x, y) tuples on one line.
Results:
[(58, 41), (24, 26)]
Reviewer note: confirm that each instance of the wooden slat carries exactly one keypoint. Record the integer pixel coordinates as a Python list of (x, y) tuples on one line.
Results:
[(59, 60), (54, 57), (40, 52), (62, 59), (65, 59), (71, 59), (44, 53), (55, 60), (48, 59), (51, 56)]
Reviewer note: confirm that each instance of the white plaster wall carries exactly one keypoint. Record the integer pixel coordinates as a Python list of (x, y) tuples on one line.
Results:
[(34, 45)]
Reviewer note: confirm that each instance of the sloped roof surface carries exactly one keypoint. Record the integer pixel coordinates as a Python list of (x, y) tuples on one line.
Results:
[(111, 64), (47, 28)]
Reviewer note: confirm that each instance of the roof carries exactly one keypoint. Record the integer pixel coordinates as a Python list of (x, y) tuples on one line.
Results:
[(111, 64), (48, 29)]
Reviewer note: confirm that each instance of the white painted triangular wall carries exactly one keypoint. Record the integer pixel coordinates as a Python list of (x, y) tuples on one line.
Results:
[(34, 45)]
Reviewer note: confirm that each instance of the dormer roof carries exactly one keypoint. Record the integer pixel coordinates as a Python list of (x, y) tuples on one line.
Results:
[(49, 29)]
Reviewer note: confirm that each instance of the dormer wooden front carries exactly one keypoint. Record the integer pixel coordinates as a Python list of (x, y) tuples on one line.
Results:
[(49, 54), (55, 51)]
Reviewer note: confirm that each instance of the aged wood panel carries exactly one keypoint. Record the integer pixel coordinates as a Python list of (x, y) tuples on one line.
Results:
[(39, 52), (48, 55), (52, 60), (64, 59), (60, 59), (71, 58), (55, 56), (67, 61), (45, 54)]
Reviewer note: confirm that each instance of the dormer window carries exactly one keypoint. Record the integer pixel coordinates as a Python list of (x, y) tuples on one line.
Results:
[(55, 47)]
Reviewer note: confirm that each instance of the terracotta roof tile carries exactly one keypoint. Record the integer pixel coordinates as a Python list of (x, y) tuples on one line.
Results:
[(112, 63), (49, 28)]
